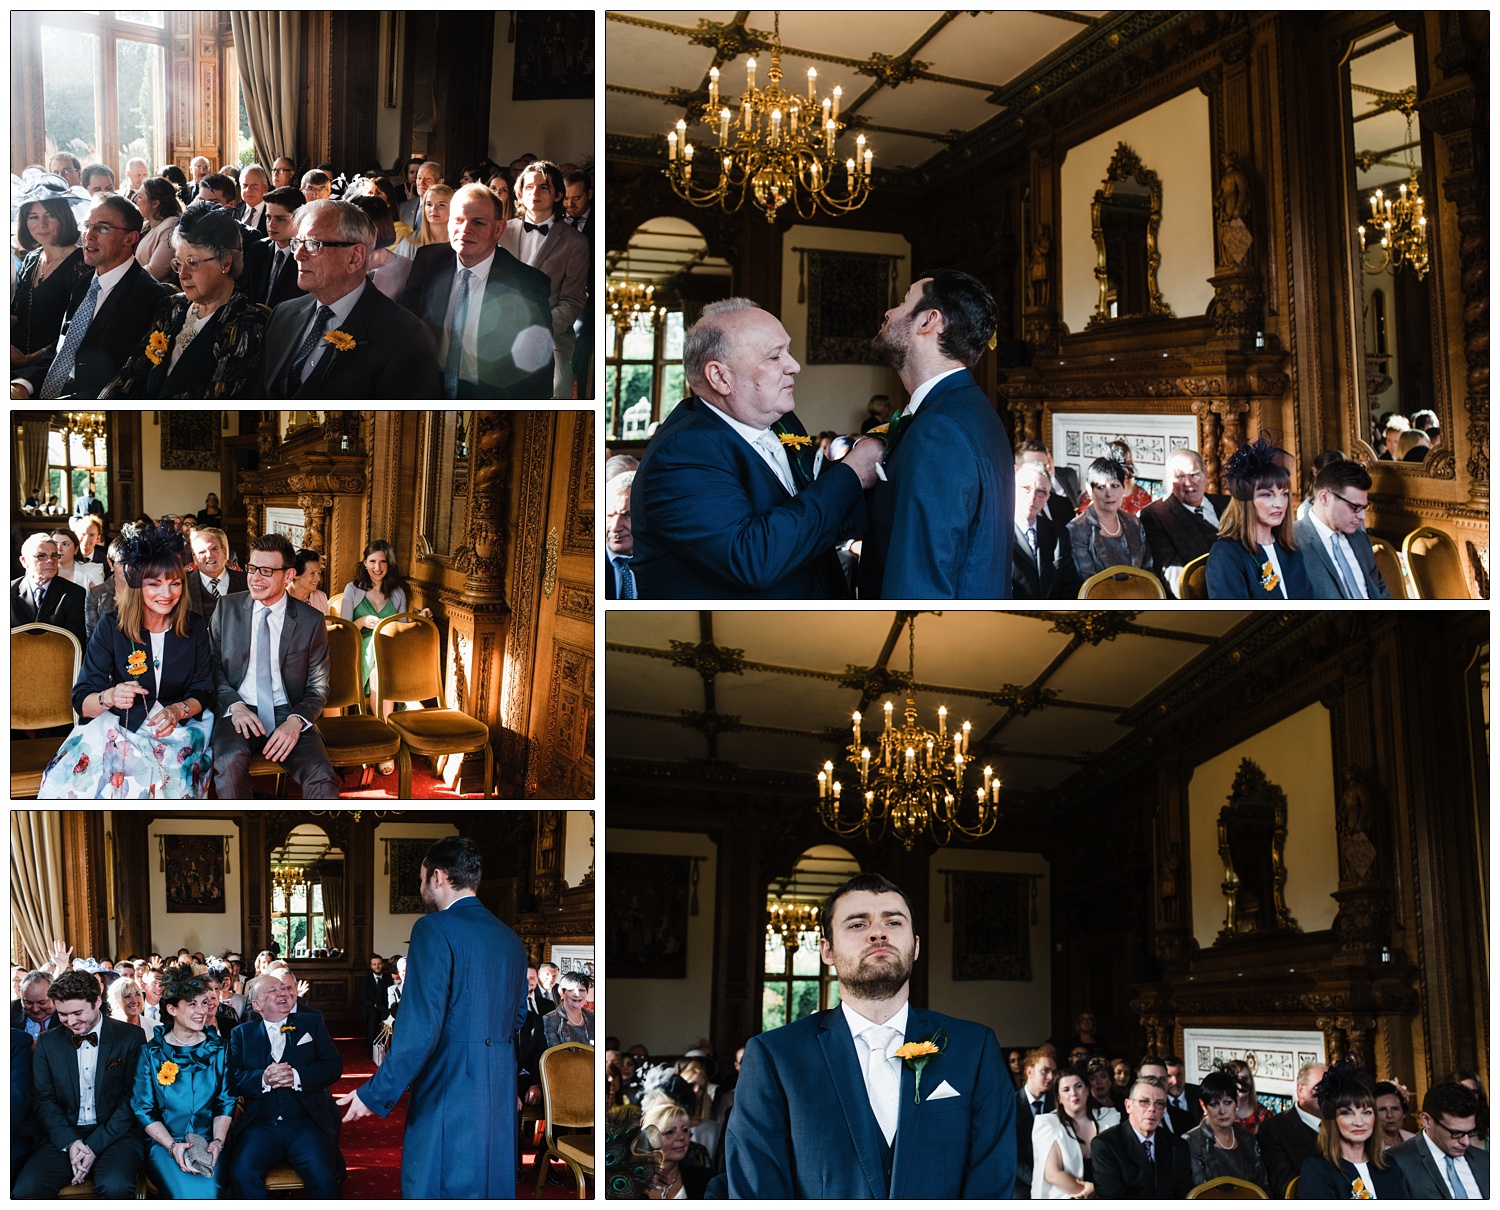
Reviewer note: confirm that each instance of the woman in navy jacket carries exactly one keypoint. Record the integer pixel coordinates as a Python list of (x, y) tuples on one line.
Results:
[(1351, 1162), (1255, 557)]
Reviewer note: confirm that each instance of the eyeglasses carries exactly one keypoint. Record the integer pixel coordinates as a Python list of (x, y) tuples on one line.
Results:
[(1148, 1103), (193, 264), (1459, 1135), (262, 573), (314, 246), (45, 558), (1357, 509), (100, 228)]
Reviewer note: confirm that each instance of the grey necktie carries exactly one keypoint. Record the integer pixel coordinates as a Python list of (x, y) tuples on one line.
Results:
[(304, 350), (1031, 538), (627, 586), (213, 588), (885, 1079), (40, 596), (1346, 574), (1460, 1194), (265, 705), (1150, 1152), (456, 336), (61, 369)]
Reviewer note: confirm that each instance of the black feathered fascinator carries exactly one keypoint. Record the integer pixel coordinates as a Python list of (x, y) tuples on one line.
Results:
[(151, 551), (1341, 1082), (1253, 462)]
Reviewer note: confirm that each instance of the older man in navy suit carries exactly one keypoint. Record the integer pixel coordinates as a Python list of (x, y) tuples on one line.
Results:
[(283, 1064), (724, 503), (465, 998), (829, 1107), (941, 524)]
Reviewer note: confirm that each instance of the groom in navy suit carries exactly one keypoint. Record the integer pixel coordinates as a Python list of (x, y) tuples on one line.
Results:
[(941, 523), (827, 1107), (724, 503), (289, 1116)]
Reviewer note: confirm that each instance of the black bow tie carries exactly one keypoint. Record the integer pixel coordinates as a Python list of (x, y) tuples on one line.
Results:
[(573, 219), (92, 1039), (542, 227)]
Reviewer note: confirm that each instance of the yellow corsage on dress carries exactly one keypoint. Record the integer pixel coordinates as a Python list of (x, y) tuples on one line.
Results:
[(156, 347), (1268, 577), (167, 1073), (339, 339), (135, 663)]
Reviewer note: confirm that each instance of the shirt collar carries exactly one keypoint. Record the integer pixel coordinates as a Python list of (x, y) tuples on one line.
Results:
[(108, 281), (1308, 1119), (1441, 1158), (858, 1024), (749, 432), (343, 306), (481, 271), (1324, 532), (277, 610), (925, 389)]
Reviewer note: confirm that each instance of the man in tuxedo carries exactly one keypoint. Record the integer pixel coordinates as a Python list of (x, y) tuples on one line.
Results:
[(251, 212), (1184, 1100), (1440, 1163), (82, 1076), (281, 206), (1292, 1135), (429, 173), (459, 1015), (1065, 489), (619, 580), (1136, 1159), (1041, 555), (34, 1013), (826, 1108), (41, 595), (724, 503), (1035, 1097), (224, 191), (374, 999), (108, 314), (283, 1064), (1335, 547), (211, 580), (344, 339), (270, 660), (941, 525), (1185, 524), (486, 311)]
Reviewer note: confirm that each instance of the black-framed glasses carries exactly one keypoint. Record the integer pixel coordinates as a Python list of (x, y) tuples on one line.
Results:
[(262, 573), (1358, 509), (314, 246), (1458, 1135)]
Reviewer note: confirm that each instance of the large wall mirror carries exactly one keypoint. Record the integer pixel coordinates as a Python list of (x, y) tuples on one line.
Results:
[(1127, 223), (443, 483), (1391, 235), (309, 908)]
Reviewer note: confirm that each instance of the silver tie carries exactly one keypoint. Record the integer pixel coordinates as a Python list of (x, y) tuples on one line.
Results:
[(776, 456), (265, 704), (278, 1044), (1460, 1194), (1345, 573), (885, 1078)]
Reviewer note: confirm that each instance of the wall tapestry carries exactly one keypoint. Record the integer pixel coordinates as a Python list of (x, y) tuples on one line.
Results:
[(847, 295), (190, 441), (991, 926), (406, 876), (195, 873), (648, 916)]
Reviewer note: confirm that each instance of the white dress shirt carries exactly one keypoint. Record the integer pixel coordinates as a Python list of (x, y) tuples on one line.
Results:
[(88, 1063), (1331, 539), (468, 365), (340, 310), (925, 390), (857, 1026), (252, 216), (276, 1037), (532, 242), (772, 452), (1465, 1173)]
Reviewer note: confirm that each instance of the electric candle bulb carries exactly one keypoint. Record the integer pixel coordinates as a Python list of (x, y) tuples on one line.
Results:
[(671, 147), (838, 95), (750, 74)]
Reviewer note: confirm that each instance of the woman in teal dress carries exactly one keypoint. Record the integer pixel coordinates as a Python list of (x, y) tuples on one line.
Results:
[(182, 1088), (377, 591)]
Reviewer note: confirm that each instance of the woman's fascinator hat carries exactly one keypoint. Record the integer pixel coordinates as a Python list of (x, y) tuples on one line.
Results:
[(36, 186), (1341, 1079), (151, 551), (1253, 462)]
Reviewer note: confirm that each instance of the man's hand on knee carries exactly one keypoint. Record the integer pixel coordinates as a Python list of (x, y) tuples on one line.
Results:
[(279, 743)]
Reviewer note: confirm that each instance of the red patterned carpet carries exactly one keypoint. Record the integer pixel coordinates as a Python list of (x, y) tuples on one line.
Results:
[(372, 1145), (424, 784)]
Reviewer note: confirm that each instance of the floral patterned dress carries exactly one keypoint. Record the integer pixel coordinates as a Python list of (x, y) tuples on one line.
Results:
[(220, 362)]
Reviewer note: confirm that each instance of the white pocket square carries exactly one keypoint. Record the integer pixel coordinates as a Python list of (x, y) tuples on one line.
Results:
[(943, 1091), (306, 1038)]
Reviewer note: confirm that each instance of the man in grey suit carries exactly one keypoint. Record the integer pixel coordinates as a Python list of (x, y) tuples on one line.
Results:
[(1335, 547), (270, 661), (544, 241), (1440, 1163)]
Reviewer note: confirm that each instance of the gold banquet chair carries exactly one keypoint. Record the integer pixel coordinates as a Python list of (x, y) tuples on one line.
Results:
[(357, 738), (1231, 1187), (1122, 584), (1437, 569), (44, 664), (1388, 563), (1194, 583), (408, 668), (1291, 1189), (568, 1098)]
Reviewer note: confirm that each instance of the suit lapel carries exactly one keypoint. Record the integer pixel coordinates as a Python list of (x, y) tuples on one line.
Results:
[(908, 1139), (300, 313), (849, 1085)]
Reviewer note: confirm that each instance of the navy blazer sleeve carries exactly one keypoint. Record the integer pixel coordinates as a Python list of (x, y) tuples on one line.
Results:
[(992, 1127), (758, 1141)]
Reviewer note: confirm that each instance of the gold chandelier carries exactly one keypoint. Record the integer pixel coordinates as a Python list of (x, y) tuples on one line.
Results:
[(914, 783), (779, 149), (632, 302), (288, 879), (791, 925), (1402, 223), (88, 427)]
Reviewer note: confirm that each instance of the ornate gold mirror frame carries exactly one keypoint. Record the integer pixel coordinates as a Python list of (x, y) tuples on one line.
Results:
[(1126, 165)]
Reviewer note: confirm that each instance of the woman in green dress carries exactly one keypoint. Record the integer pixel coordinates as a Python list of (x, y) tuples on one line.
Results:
[(182, 1088)]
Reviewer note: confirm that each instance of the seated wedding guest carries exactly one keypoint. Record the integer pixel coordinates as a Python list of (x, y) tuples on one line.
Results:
[(432, 227), (1470, 1080), (345, 339), (1218, 1146), (1351, 1161), (1035, 1097), (1101, 1082), (97, 178), (1104, 534), (41, 595), (317, 185), (378, 591), (211, 579), (251, 212), (33, 1011), (23, 1128), (1042, 554), (1062, 1141), (428, 174), (1412, 446), (283, 1064), (209, 514), (144, 683), (174, 176), (68, 166), (82, 1077), (1134, 497), (88, 531), (281, 224), (101, 597), (107, 315), (305, 584), (387, 270), (47, 230), (619, 580), (569, 1021), (84, 573), (204, 343), (499, 185), (1390, 1103), (674, 1180), (259, 711), (160, 206), (1255, 556), (182, 1088), (1390, 437), (1182, 526), (1136, 1159), (125, 1003), (1444, 1162)]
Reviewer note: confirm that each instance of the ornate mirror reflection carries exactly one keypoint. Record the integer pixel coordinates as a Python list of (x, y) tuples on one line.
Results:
[(308, 895), (1127, 222), (443, 483)]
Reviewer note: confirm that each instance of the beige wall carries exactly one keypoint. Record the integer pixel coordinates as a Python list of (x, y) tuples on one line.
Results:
[(1173, 141), (578, 853), (1297, 755), (560, 131), (174, 491), (392, 933), (1017, 1012), (835, 396), (668, 1015), (211, 932)]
